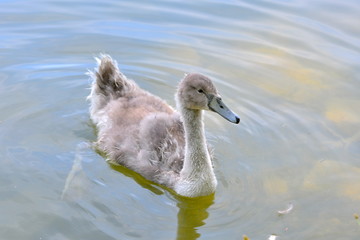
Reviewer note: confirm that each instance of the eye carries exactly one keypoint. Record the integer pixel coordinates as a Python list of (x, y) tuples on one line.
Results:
[(200, 91)]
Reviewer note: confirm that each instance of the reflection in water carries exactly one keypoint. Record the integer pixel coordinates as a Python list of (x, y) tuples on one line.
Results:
[(138, 178), (192, 211), (76, 181), (192, 214)]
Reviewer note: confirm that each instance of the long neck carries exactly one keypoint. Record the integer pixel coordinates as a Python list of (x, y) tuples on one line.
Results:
[(197, 160)]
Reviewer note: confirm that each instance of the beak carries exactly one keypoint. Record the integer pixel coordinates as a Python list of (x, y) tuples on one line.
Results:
[(217, 105)]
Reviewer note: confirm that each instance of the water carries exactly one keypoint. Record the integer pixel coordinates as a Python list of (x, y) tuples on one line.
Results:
[(290, 69)]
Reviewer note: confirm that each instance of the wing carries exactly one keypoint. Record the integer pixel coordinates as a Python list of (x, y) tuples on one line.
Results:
[(163, 142)]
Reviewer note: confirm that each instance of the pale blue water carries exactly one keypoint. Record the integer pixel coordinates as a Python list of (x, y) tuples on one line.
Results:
[(290, 69)]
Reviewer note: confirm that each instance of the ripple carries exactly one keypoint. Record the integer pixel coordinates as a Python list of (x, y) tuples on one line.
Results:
[(289, 70)]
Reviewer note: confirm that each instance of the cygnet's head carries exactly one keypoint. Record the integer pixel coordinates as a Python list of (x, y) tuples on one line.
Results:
[(197, 92)]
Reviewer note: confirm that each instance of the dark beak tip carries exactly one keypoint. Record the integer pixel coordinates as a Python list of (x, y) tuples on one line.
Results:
[(237, 120)]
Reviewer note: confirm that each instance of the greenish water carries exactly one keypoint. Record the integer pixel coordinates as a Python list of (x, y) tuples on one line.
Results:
[(289, 69)]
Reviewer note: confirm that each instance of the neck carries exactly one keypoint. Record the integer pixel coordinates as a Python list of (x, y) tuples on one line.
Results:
[(196, 154), (197, 169)]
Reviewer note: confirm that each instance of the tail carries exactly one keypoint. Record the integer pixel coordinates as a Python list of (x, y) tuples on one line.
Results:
[(108, 83)]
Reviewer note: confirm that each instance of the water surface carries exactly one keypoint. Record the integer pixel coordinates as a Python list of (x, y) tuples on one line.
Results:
[(290, 69)]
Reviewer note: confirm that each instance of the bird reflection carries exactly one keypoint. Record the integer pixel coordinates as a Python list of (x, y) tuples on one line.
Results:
[(192, 215), (192, 211)]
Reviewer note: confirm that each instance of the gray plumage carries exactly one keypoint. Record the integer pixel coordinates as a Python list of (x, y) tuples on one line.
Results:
[(142, 132)]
